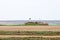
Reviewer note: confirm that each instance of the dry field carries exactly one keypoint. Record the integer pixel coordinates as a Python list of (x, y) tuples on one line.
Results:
[(30, 28)]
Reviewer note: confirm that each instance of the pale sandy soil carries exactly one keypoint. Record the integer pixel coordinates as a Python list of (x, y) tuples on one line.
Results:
[(30, 28), (7, 36)]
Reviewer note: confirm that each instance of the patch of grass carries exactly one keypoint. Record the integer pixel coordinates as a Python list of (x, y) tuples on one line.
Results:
[(35, 24), (24, 25), (11, 25), (29, 38), (44, 33)]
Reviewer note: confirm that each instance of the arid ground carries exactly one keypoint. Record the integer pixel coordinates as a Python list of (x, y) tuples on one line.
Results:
[(30, 28)]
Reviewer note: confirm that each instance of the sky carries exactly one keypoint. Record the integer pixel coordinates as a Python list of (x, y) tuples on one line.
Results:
[(25, 9)]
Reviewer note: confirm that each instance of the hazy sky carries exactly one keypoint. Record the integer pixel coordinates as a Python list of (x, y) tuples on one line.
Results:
[(24, 9)]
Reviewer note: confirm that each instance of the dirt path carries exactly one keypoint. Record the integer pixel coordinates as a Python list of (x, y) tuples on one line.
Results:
[(30, 28), (5, 36)]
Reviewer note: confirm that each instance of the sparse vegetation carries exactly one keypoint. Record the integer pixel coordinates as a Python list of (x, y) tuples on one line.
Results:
[(27, 24), (49, 33), (36, 23), (29, 38), (11, 25)]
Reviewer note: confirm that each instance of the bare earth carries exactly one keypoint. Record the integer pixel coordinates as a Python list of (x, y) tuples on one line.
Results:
[(7, 36), (30, 28)]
